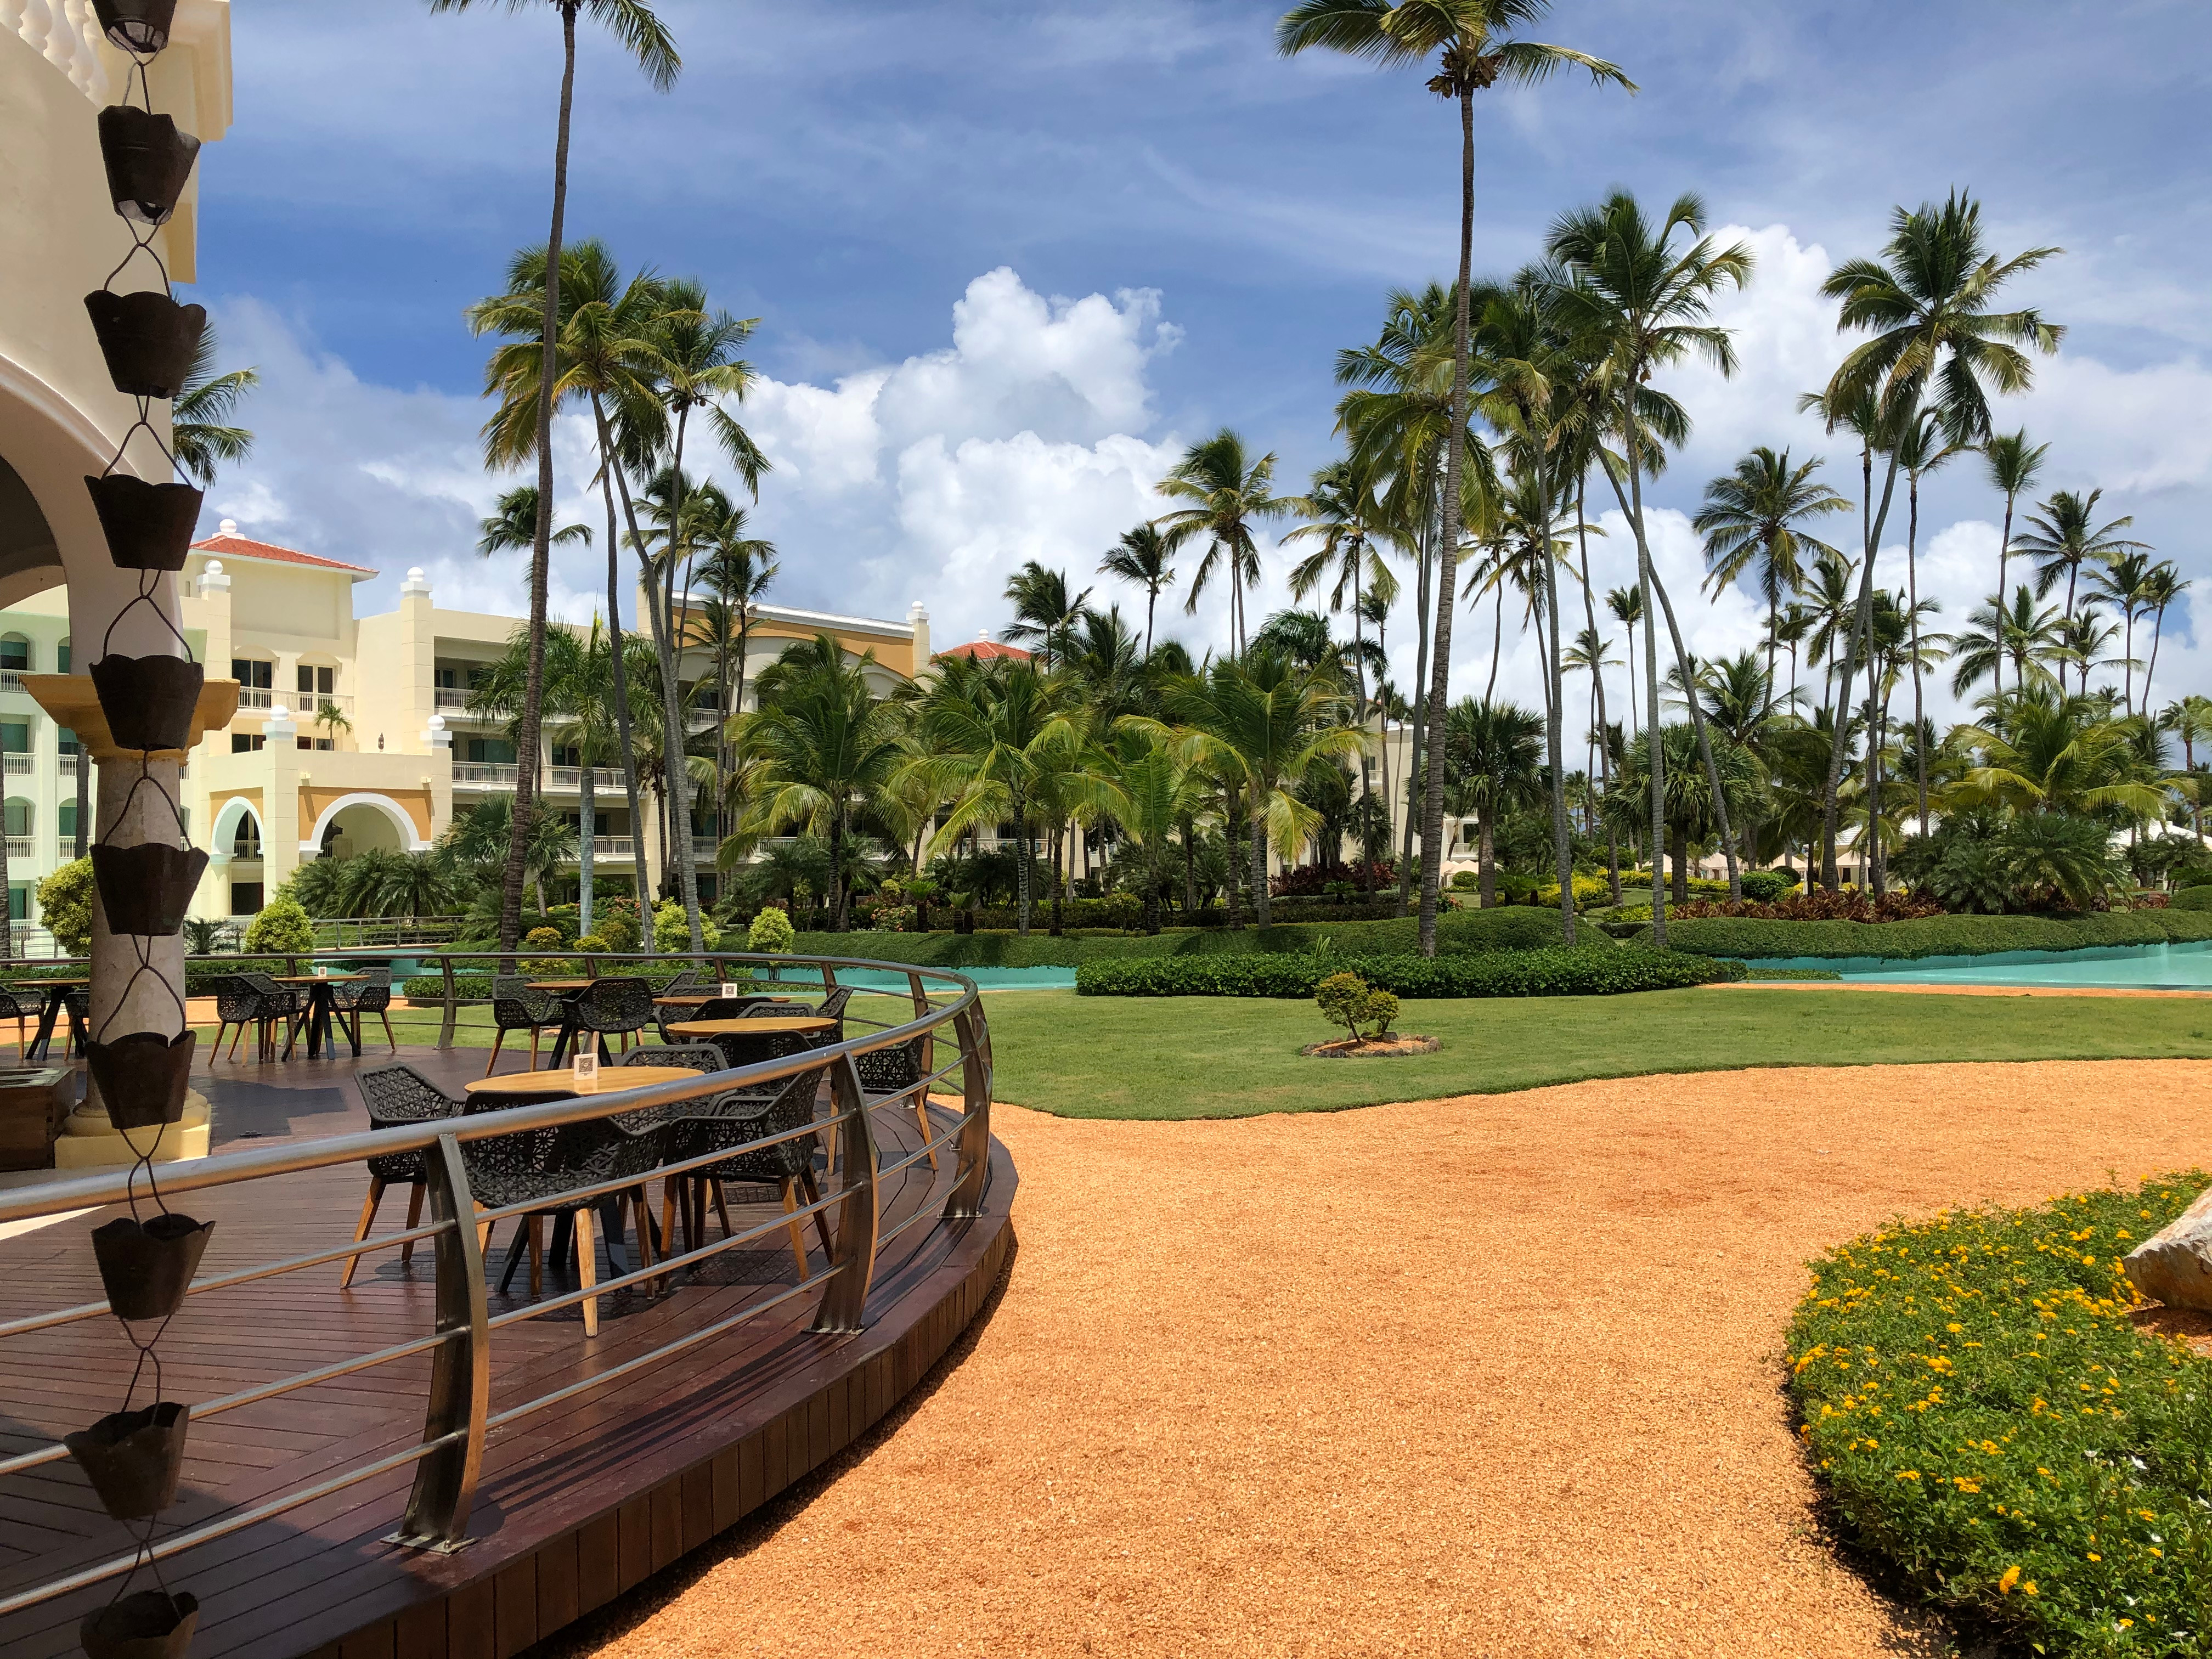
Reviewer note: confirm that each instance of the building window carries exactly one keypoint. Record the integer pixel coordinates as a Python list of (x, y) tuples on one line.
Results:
[(66, 737), (19, 903), (490, 752), (252, 674), (316, 681), (246, 742), (62, 657), (246, 898), (16, 654), (246, 843), (446, 679), (15, 737), (18, 817), (567, 754), (66, 816)]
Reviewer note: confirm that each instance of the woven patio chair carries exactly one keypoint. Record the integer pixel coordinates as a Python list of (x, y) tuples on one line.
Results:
[(255, 1000), (370, 994), (516, 1007), (615, 1007), (542, 1166), (78, 1006), (714, 1007), (886, 1071), (688, 979), (397, 1096), (731, 1120), (10, 1008)]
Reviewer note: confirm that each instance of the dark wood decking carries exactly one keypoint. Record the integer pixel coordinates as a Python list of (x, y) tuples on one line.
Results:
[(577, 1503)]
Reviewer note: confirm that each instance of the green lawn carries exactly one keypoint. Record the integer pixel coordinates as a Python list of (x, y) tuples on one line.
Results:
[(1176, 1057)]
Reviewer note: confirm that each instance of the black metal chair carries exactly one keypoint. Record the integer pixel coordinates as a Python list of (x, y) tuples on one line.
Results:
[(77, 1006), (885, 1072), (714, 1007), (516, 1007), (543, 1168), (369, 994), (256, 999), (12, 1009), (734, 1118), (614, 1007), (397, 1096), (687, 979)]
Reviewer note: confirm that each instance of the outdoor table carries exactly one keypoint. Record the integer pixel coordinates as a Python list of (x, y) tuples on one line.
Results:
[(487, 1094), (56, 991), (730, 1034), (322, 999), (568, 990)]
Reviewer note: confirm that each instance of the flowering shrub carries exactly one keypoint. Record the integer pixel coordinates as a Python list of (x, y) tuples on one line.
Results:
[(1587, 971), (1984, 1414), (1820, 906), (1311, 881)]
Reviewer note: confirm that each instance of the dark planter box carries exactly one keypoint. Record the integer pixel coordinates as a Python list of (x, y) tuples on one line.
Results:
[(146, 890), (148, 160), (143, 1077), (149, 700), (149, 526), (148, 339), (32, 1105)]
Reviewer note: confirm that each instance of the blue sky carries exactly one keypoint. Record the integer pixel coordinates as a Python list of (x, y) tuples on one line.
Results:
[(1185, 229)]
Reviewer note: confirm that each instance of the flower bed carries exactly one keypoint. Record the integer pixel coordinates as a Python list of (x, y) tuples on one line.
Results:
[(1986, 1418), (1587, 971)]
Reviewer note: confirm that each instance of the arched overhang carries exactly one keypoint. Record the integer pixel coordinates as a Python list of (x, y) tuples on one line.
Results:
[(313, 844)]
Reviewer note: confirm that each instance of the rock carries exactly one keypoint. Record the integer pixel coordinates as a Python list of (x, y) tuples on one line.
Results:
[(2175, 1265)]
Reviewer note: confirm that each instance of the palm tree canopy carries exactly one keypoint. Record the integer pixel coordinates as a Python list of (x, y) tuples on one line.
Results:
[(2064, 535), (1639, 301), (1044, 609), (1226, 489), (1474, 41), (199, 431), (1750, 522), (2014, 463), (514, 526), (1141, 558), (636, 30)]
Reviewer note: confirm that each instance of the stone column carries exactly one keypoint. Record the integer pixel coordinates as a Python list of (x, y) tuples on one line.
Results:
[(281, 828)]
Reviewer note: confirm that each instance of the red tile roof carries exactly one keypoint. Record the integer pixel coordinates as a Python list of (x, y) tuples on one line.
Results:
[(986, 651), (240, 547)]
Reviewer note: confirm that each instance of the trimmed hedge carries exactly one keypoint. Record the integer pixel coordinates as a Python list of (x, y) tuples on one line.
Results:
[(1599, 971), (2191, 898), (1935, 936), (1986, 1418)]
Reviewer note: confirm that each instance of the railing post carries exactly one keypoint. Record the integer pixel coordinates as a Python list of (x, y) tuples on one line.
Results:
[(845, 1299), (966, 1201), (460, 1375), (928, 1043), (446, 1031)]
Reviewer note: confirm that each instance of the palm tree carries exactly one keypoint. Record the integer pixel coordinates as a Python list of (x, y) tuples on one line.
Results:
[(2049, 752), (2020, 634), (1750, 522), (1494, 754), (1935, 343), (1158, 790), (1474, 45), (1044, 610), (199, 432), (2165, 586), (2083, 639), (738, 567), (2014, 465), (1639, 303), (1228, 492), (1626, 605), (1341, 513), (1142, 558), (1266, 726), (2125, 580), (2065, 536), (1921, 448), (579, 696), (643, 36), (514, 525)]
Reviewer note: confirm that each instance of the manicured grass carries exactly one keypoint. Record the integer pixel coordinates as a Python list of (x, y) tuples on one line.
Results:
[(1180, 1057)]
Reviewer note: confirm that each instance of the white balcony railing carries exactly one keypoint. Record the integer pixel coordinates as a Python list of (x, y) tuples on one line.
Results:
[(450, 696), (65, 849), (614, 846), (70, 46), (256, 696), (311, 702), (19, 766), (10, 679), (486, 774), (571, 777), (22, 847)]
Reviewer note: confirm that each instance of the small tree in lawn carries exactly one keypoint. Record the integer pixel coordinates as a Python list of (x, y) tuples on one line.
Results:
[(1352, 1002)]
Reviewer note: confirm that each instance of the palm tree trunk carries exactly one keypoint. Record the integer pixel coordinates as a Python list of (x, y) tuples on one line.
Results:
[(1021, 867), (1703, 730), (1497, 640), (687, 865), (1486, 856), (607, 465), (1555, 694), (1597, 680), (1189, 866), (1421, 612), (587, 831), (1856, 642), (2004, 550), (1678, 848), (1260, 894), (1058, 844), (541, 549), (1151, 603), (1912, 599)]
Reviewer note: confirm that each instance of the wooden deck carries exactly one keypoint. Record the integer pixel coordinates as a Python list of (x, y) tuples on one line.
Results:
[(577, 1503)]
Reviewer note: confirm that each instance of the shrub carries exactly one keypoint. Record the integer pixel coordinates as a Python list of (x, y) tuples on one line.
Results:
[(282, 927), (1823, 906), (1312, 881), (1587, 971), (618, 928), (2189, 898), (544, 938), (591, 942), (1936, 936), (1765, 886), (1985, 1416), (771, 932), (672, 930), (65, 901), (1350, 1001)]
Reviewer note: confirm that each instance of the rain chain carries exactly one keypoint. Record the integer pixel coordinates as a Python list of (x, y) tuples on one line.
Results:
[(134, 1457)]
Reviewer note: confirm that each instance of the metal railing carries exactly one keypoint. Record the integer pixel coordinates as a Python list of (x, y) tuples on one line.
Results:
[(458, 1420), (256, 696), (450, 696), (11, 680), (487, 774), (20, 765)]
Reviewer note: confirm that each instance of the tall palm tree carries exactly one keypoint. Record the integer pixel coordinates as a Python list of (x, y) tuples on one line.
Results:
[(1495, 756), (1922, 446), (1935, 343), (2165, 586), (1637, 302), (1475, 46), (580, 696), (646, 38), (1044, 610), (1142, 558), (1228, 492), (1750, 521), (199, 430), (1627, 606), (1340, 512), (2125, 582), (2014, 464), (2065, 536), (737, 569), (1158, 790)]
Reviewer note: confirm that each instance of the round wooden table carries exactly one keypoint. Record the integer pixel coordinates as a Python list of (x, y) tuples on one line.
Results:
[(740, 1040), (612, 1080), (55, 994)]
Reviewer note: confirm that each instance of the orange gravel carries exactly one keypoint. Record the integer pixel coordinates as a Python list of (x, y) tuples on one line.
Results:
[(1495, 1376)]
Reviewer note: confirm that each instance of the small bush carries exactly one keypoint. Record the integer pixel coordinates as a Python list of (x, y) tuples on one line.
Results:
[(672, 929), (1823, 906), (1350, 1001), (2189, 898), (591, 942), (1587, 971), (65, 901), (1765, 886), (1986, 1417), (544, 938), (771, 932), (282, 927)]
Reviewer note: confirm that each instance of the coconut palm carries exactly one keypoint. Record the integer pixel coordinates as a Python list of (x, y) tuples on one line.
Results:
[(2028, 638), (2165, 586), (1476, 46), (1750, 522), (2014, 465), (1142, 558), (1687, 812), (1044, 610), (2065, 537), (1636, 302), (1494, 753), (646, 38), (1340, 512), (2125, 582), (736, 568), (2046, 751), (1935, 344), (1922, 448), (2084, 640), (200, 435), (512, 525), (1626, 606), (1229, 491)]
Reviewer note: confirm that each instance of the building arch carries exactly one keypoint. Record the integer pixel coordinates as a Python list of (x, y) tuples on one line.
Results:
[(311, 846), (228, 818)]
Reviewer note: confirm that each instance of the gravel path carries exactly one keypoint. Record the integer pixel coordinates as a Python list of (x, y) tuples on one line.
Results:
[(1496, 1376)]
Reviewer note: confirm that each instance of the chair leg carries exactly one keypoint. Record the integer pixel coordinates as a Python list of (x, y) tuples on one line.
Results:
[(414, 1220), (798, 1233), (587, 1268), (500, 1036), (722, 1210), (384, 1014), (536, 1224), (668, 1186), (821, 1217), (367, 1220), (534, 1030), (483, 1232), (921, 1111)]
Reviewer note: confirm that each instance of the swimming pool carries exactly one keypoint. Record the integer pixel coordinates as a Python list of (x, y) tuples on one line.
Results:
[(2120, 967)]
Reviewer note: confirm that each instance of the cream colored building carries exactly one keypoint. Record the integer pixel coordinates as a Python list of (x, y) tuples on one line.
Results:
[(353, 732)]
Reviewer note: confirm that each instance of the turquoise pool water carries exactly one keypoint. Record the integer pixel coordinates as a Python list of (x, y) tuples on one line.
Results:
[(2124, 967), (988, 979)]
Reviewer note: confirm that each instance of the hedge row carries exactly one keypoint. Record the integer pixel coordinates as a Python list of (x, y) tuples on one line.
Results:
[(1560, 972), (1936, 936), (1986, 1417), (2191, 898)]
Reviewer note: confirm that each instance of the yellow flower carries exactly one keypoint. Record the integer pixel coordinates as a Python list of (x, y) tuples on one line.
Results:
[(2011, 1577)]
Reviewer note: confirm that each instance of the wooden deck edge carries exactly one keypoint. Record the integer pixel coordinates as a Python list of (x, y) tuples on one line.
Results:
[(526, 1599)]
